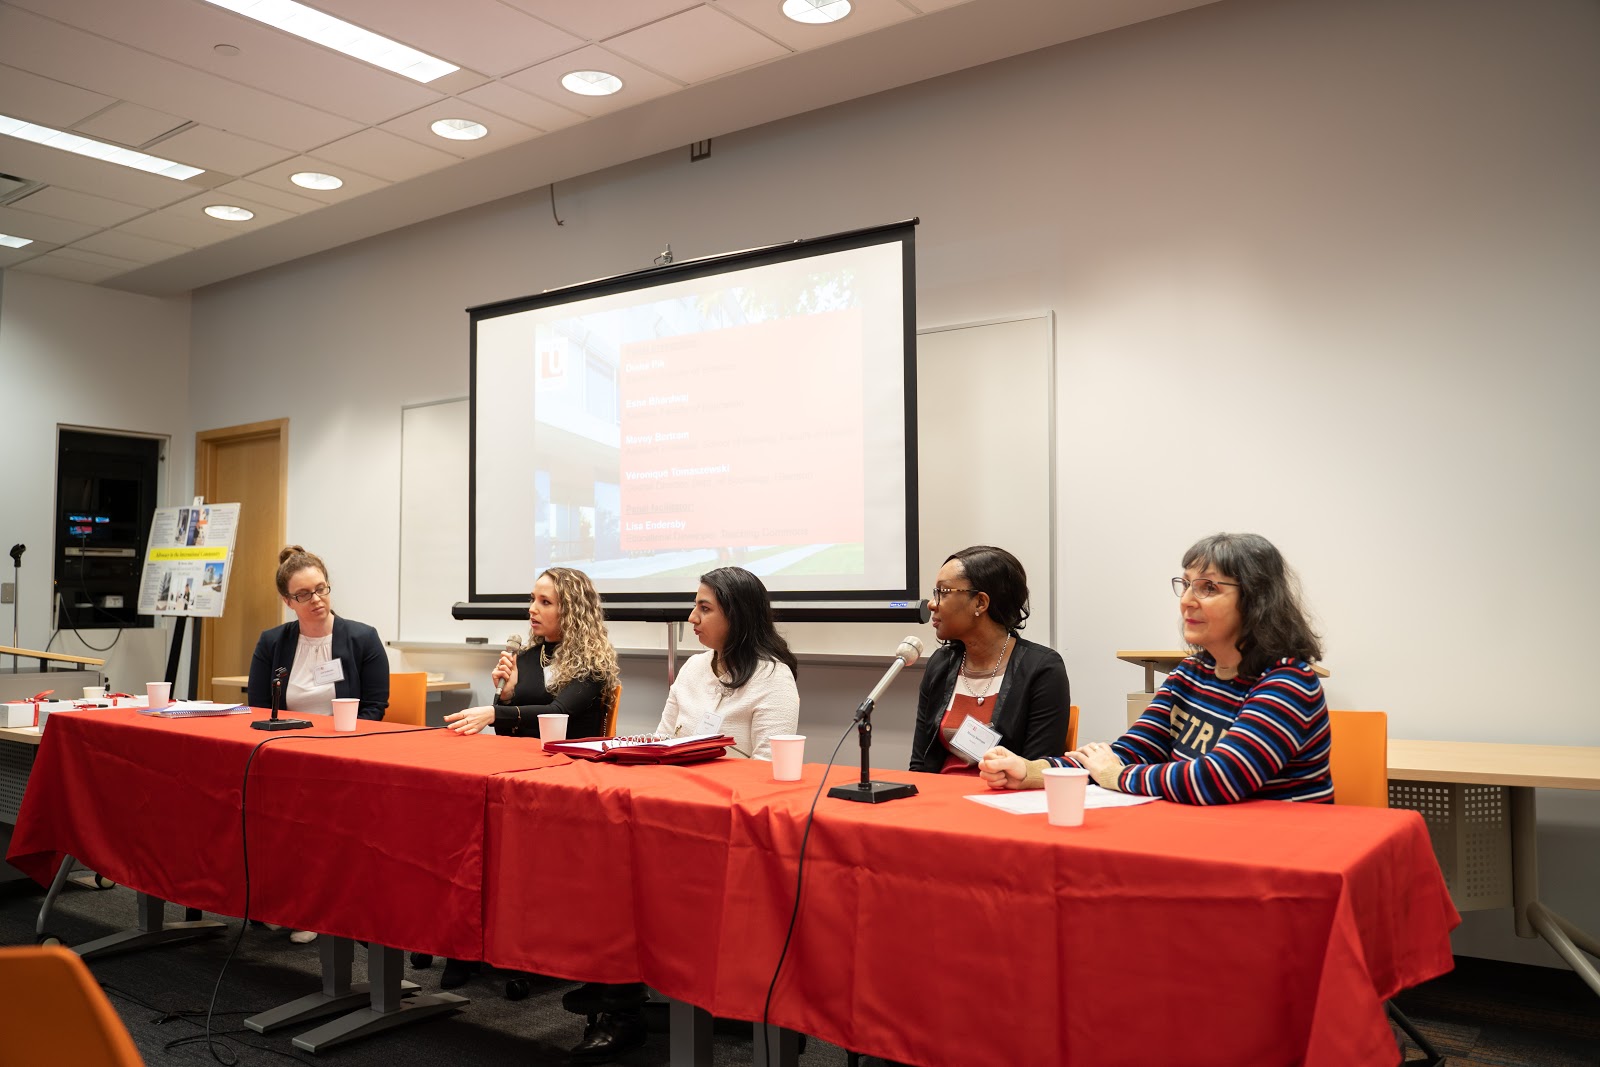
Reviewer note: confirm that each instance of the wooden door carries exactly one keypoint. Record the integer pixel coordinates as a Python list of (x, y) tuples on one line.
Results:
[(247, 465)]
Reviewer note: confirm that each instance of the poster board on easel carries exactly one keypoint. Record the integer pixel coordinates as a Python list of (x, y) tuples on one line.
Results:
[(188, 559)]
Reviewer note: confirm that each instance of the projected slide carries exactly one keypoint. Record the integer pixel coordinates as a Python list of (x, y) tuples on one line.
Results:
[(754, 417)]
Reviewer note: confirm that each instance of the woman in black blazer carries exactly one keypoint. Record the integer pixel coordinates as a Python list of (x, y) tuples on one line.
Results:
[(326, 657), (985, 669)]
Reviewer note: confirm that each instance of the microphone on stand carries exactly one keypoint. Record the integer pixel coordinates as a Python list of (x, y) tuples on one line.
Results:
[(866, 791), (279, 676)]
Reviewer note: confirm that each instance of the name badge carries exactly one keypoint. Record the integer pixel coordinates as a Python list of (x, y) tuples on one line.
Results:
[(974, 739), (710, 723), (328, 673)]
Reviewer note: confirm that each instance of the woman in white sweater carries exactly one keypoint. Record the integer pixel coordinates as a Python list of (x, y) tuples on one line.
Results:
[(743, 686)]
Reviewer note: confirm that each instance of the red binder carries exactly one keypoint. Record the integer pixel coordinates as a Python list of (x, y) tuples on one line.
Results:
[(673, 750)]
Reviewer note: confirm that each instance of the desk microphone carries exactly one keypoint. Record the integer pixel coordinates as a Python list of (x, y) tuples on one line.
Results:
[(866, 790), (275, 723)]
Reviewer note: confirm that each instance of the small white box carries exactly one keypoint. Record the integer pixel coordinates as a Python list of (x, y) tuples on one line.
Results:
[(17, 713)]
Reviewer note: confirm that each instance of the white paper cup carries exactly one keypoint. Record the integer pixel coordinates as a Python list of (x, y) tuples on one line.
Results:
[(1064, 788), (552, 726), (788, 756), (344, 714), (159, 694), (94, 692)]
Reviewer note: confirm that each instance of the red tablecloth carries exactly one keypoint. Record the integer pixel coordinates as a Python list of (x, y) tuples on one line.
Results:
[(935, 930), (360, 835), (932, 930)]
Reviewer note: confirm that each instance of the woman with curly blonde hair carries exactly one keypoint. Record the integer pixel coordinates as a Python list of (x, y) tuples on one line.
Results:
[(569, 665)]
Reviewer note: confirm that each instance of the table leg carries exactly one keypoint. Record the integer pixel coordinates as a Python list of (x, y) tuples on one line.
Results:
[(1524, 857), (337, 994), (388, 1007), (781, 1048), (1567, 939), (689, 1035), (153, 929)]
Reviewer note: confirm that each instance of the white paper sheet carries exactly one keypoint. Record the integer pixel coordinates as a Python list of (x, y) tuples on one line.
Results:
[(1031, 801)]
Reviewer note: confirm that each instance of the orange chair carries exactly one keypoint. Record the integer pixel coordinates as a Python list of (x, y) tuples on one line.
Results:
[(408, 699), (1072, 728), (1359, 759), (1359, 763), (58, 1013), (611, 711)]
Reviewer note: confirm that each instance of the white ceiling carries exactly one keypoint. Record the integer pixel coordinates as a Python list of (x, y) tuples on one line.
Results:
[(147, 74)]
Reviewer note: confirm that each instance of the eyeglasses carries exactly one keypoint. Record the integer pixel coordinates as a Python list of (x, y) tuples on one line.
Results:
[(305, 595), (1204, 588), (940, 592)]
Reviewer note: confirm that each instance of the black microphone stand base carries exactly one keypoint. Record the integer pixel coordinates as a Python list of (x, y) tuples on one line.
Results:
[(873, 792), (281, 724)]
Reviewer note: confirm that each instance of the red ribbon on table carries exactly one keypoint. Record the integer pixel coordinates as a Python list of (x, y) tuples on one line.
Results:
[(35, 700)]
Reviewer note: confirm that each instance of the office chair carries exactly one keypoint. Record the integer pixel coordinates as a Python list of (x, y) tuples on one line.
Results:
[(612, 705), (408, 699), (1359, 762), (59, 1011), (1072, 728)]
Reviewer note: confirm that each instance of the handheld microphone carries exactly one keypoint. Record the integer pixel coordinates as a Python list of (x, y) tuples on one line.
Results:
[(909, 651), (514, 644)]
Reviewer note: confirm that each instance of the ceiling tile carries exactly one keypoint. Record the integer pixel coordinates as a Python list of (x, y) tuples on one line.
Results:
[(484, 35), (696, 45), (45, 100), (95, 211), (73, 270), (10, 257), (513, 103), (638, 84), (385, 155), (417, 126), (97, 258), (130, 246), (277, 178), (202, 146), (767, 16), (187, 32), (271, 194), (49, 48), (129, 124), (933, 5), (178, 229), (42, 228), (597, 21)]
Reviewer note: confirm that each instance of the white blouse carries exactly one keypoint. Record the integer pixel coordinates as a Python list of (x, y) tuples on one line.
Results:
[(302, 694), (698, 703)]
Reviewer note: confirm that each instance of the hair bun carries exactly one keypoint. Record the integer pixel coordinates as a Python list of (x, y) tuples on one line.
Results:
[(290, 551)]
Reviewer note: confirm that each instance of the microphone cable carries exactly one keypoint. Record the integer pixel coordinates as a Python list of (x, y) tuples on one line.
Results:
[(244, 842), (799, 880)]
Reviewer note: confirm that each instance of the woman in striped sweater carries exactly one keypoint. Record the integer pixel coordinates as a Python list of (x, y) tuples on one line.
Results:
[(1243, 718)]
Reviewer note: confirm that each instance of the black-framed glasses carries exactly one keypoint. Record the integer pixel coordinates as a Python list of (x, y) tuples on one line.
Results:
[(1204, 588), (942, 591), (304, 595)]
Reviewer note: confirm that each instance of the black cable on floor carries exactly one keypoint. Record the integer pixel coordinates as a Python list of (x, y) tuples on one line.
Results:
[(799, 877)]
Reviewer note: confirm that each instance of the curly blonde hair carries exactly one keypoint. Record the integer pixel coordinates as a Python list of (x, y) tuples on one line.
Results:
[(585, 650)]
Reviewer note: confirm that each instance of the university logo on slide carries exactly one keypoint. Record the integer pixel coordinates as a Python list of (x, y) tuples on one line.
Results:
[(553, 361)]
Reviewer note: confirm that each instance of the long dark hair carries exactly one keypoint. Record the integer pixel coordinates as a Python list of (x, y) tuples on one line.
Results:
[(752, 636), (1273, 624), (1000, 574)]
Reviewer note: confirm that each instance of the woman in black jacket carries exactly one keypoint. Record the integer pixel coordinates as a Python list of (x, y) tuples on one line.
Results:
[(1012, 687)]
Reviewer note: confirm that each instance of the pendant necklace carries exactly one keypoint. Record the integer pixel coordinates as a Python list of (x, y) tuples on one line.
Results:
[(992, 671)]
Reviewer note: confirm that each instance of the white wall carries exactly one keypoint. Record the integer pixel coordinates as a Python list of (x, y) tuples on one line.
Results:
[(78, 355), (1322, 270)]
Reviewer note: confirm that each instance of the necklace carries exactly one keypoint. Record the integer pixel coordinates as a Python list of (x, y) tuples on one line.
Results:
[(545, 655), (962, 670)]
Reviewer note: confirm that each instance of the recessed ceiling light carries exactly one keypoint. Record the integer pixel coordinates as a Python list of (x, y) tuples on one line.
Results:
[(83, 146), (460, 129), (341, 36), (816, 12), (310, 179), (225, 49), (229, 213), (14, 242), (591, 83)]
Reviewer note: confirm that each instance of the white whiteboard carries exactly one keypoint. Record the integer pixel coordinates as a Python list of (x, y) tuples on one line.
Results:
[(986, 472)]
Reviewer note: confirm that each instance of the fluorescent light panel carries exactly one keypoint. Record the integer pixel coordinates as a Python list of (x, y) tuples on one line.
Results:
[(14, 242), (83, 146), (341, 36)]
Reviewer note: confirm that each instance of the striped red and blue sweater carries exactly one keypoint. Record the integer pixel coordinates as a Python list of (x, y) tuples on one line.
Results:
[(1204, 740)]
